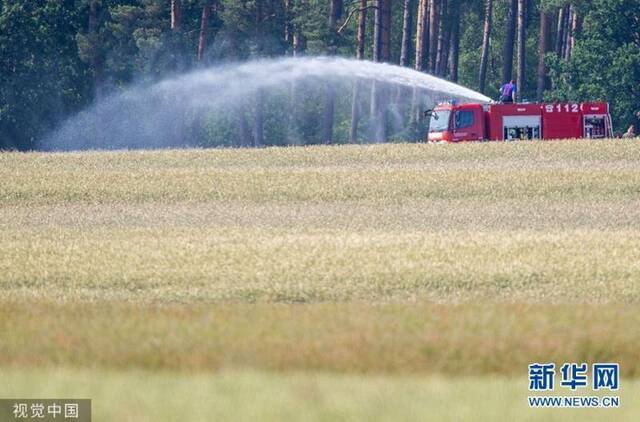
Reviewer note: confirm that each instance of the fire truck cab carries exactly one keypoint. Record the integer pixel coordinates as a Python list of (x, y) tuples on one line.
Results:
[(450, 122), (453, 123)]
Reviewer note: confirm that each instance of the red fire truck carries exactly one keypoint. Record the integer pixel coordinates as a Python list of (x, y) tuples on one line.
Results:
[(451, 122)]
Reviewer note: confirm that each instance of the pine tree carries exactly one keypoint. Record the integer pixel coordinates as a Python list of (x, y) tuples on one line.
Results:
[(486, 34), (543, 47), (521, 48), (509, 39)]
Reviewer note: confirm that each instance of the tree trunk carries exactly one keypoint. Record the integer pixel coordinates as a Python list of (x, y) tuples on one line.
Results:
[(298, 41), (385, 41), (362, 27), (377, 30), (258, 121), (297, 49), (422, 54), (574, 30), (569, 32), (445, 53), (97, 59), (442, 28), (521, 48), (258, 130), (204, 25), (175, 15), (576, 26), (446, 48), (376, 53), (329, 108), (560, 31), (382, 31), (422, 35), (407, 19), (447, 37), (510, 35), (486, 34), (335, 11), (288, 26), (433, 34), (454, 43), (454, 52), (381, 53), (543, 48), (355, 102), (355, 111), (297, 44), (243, 128)]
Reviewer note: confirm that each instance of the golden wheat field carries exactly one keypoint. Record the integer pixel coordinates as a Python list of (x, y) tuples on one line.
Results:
[(385, 282)]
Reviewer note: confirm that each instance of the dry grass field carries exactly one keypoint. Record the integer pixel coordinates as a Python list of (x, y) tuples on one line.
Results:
[(396, 273)]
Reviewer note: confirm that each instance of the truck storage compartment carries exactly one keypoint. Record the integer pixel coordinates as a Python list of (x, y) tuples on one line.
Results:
[(595, 126), (596, 121), (514, 121), (520, 127)]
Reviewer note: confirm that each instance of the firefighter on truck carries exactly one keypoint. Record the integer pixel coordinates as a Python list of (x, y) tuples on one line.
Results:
[(508, 92)]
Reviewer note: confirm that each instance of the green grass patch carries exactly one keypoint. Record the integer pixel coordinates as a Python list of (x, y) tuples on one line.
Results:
[(310, 396)]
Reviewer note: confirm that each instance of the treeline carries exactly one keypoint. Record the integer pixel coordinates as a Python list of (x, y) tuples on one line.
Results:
[(58, 56)]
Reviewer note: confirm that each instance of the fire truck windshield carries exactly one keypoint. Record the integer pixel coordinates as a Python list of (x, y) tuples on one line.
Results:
[(439, 121)]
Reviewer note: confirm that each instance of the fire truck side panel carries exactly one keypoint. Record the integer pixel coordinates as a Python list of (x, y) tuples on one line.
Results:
[(561, 121), (495, 123), (487, 123)]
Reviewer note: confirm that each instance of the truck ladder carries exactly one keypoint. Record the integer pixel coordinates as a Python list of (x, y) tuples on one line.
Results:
[(608, 126)]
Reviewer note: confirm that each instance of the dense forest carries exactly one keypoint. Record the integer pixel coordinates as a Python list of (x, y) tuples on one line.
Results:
[(60, 56)]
